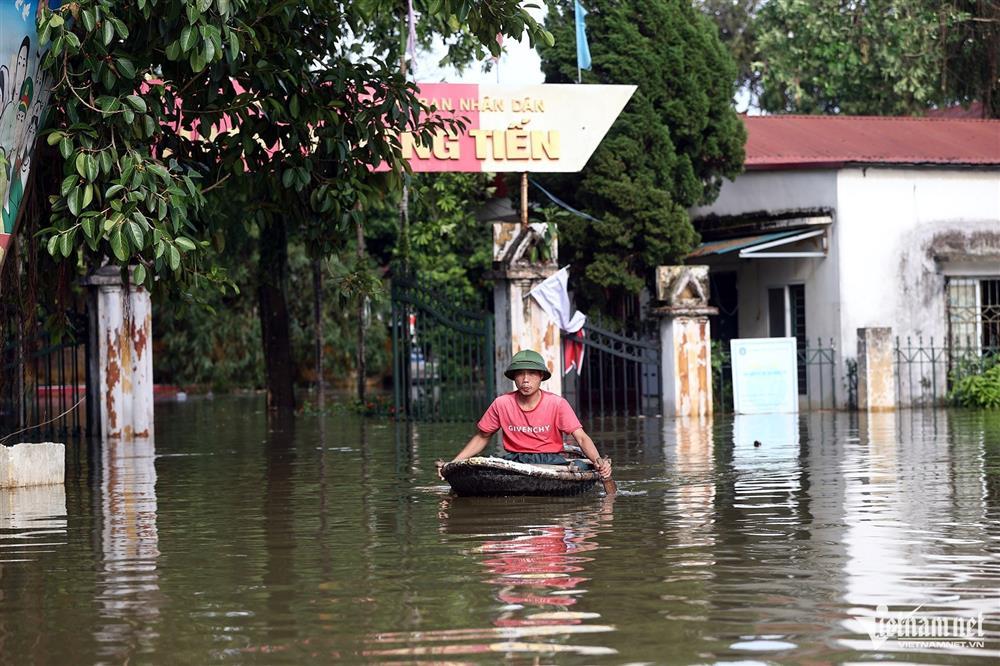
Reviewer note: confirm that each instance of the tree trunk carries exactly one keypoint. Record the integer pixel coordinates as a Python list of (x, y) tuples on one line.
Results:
[(317, 266), (362, 301), (274, 327)]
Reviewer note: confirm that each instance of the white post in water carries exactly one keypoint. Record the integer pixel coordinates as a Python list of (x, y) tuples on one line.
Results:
[(876, 379), (523, 256), (124, 376), (685, 340)]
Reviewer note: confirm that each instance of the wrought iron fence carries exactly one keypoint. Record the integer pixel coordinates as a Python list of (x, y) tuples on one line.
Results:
[(442, 355), (620, 375), (43, 385), (927, 370), (817, 374)]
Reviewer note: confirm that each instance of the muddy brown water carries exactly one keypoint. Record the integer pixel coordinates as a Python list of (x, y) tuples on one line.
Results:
[(330, 539)]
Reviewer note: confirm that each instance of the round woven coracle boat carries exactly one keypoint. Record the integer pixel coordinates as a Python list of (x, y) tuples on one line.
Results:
[(492, 477)]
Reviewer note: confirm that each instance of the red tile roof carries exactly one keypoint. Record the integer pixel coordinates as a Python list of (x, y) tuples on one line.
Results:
[(809, 142)]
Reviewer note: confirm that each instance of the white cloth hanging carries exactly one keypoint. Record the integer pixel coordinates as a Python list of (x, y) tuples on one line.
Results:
[(553, 297)]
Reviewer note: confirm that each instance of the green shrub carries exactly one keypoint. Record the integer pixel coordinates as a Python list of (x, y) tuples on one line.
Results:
[(980, 390)]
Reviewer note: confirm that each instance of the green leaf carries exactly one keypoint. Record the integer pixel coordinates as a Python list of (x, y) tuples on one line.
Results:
[(65, 147), (73, 201), (118, 245), (175, 258), (52, 245), (66, 244), (148, 125), (234, 46), (188, 37), (81, 164), (107, 31), (56, 21), (120, 28), (222, 6), (73, 40), (126, 68), (137, 103), (88, 195), (128, 114), (197, 61), (203, 5), (186, 244), (139, 274), (89, 226), (173, 50), (69, 182), (135, 234), (113, 190), (54, 137), (88, 20), (287, 177), (293, 106), (192, 14), (92, 167)]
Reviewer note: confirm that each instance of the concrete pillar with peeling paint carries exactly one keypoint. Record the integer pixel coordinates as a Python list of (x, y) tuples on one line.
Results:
[(685, 340), (519, 322), (123, 373), (876, 376)]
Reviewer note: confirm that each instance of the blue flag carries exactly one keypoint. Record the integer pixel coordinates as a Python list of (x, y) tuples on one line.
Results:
[(582, 48)]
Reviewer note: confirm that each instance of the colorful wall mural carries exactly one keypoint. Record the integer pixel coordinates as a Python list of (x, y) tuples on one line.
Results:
[(24, 96)]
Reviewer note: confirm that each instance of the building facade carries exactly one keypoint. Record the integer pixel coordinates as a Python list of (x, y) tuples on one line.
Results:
[(841, 223)]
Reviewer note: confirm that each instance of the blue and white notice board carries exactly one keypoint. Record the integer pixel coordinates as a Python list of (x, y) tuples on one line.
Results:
[(765, 375)]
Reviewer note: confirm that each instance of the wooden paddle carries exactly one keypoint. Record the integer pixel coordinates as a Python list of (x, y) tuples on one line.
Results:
[(610, 487)]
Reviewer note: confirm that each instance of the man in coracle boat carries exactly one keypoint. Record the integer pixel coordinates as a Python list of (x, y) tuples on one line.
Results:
[(532, 421)]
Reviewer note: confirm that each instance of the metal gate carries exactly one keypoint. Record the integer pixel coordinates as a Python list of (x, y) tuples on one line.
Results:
[(442, 355), (620, 375), (43, 384)]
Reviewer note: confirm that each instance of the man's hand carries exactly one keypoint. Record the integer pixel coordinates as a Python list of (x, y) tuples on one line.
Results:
[(603, 467)]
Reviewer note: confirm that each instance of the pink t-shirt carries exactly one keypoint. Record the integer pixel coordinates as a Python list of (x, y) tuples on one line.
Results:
[(539, 430)]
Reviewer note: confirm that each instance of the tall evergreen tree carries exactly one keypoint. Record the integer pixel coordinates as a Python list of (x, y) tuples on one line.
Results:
[(668, 151)]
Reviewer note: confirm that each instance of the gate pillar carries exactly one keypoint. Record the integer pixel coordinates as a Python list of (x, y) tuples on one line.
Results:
[(523, 257), (121, 363), (685, 340)]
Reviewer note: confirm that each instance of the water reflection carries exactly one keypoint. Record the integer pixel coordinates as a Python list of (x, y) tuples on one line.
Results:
[(537, 573), (127, 587), (690, 453), (909, 501), (32, 522)]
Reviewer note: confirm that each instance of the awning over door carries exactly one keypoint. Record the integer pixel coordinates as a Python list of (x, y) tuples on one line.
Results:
[(768, 246)]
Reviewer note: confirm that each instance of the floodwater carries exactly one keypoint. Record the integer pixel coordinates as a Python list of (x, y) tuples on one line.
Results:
[(331, 539)]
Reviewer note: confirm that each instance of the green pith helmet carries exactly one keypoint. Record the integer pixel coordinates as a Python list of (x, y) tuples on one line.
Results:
[(527, 359)]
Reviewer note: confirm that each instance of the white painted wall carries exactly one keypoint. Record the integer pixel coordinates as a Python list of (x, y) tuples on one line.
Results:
[(894, 225)]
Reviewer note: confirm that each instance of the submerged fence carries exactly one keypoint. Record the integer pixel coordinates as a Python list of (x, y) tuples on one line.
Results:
[(926, 371), (43, 385), (817, 376)]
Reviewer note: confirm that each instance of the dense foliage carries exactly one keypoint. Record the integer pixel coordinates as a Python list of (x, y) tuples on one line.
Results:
[(147, 95), (669, 150), (880, 57), (979, 389)]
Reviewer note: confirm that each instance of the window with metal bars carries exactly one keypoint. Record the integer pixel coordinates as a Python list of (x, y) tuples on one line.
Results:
[(974, 315)]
